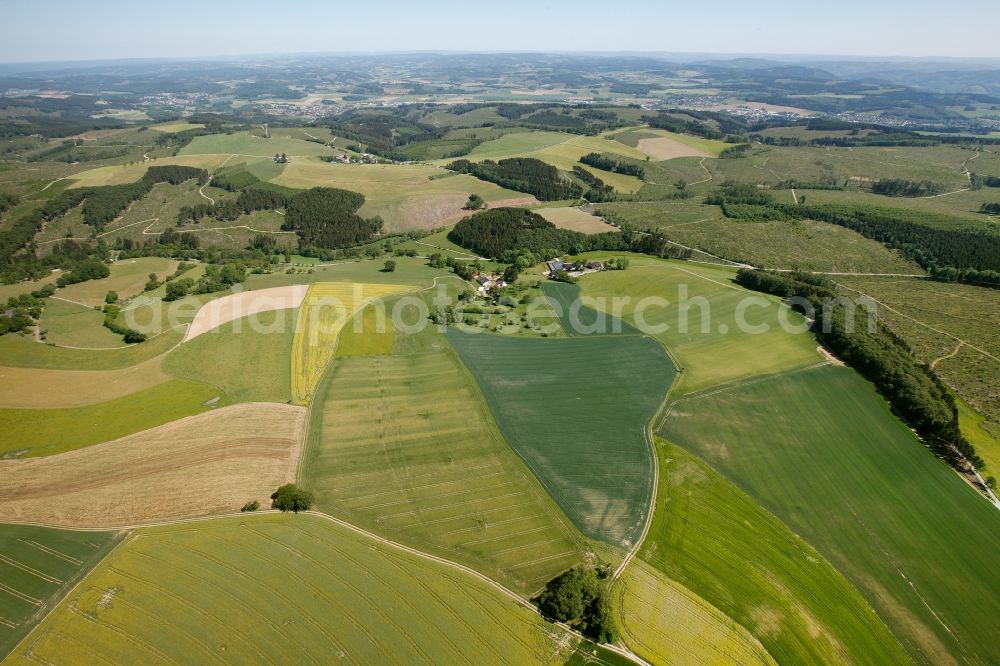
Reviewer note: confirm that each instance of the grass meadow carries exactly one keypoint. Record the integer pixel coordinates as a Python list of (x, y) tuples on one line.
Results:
[(576, 411), (127, 278), (74, 325), (821, 450), (404, 445), (23, 352), (245, 364), (306, 588), (717, 541), (29, 433), (33, 388), (246, 144), (39, 565), (707, 356)]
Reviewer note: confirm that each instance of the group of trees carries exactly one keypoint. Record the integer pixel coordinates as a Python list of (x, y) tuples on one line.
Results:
[(606, 163), (523, 174), (899, 187), (579, 597), (326, 217), (89, 269), (598, 191), (22, 312), (882, 357), (990, 208), (509, 232)]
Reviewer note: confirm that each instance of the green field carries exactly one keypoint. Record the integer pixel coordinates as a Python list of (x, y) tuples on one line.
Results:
[(404, 446), (246, 144), (406, 196), (74, 325), (292, 589), (707, 355), (246, 359), (38, 565), (722, 545), (821, 450), (576, 410), (42, 432), (666, 623)]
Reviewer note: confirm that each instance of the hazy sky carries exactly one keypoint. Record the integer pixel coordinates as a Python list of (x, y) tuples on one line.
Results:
[(32, 30)]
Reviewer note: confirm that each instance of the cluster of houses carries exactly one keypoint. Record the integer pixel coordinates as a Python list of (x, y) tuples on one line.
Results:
[(575, 269), (488, 283)]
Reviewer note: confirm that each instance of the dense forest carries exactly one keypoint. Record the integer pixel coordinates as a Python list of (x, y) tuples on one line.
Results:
[(325, 217), (500, 231), (606, 163), (523, 174), (881, 357), (598, 191)]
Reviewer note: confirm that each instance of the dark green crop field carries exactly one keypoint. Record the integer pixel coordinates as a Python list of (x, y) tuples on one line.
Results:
[(820, 449), (38, 565), (576, 410)]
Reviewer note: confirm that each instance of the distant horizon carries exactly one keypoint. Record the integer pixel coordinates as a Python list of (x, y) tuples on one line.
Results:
[(666, 55), (64, 31)]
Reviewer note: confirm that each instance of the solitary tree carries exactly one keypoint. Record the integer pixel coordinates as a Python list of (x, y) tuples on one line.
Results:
[(290, 497), (475, 202), (111, 297), (390, 266)]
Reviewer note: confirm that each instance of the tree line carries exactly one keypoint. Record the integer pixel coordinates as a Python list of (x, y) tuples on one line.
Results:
[(881, 357), (899, 187), (606, 163), (523, 174), (599, 191)]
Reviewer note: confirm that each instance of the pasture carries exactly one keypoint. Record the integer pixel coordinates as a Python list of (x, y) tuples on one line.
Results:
[(950, 326), (324, 312), (246, 144), (39, 565), (820, 450), (129, 173), (576, 411), (247, 359), (29, 433), (307, 589), (406, 196), (700, 314), (562, 151), (33, 388), (574, 219), (127, 278), (666, 623), (717, 542), (23, 352), (176, 127), (404, 446), (201, 465), (75, 325)]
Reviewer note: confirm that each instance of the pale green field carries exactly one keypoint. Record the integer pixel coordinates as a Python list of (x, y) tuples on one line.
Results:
[(562, 151), (291, 589), (8, 290), (404, 446), (406, 196), (176, 127), (575, 219), (245, 143), (129, 173), (707, 355), (73, 325), (666, 623), (127, 278)]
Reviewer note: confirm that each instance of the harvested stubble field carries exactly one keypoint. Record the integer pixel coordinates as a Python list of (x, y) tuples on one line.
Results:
[(231, 307), (575, 219), (170, 594), (325, 311), (719, 543), (29, 433), (576, 409), (666, 623), (405, 446), (38, 565), (201, 465), (820, 449)]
